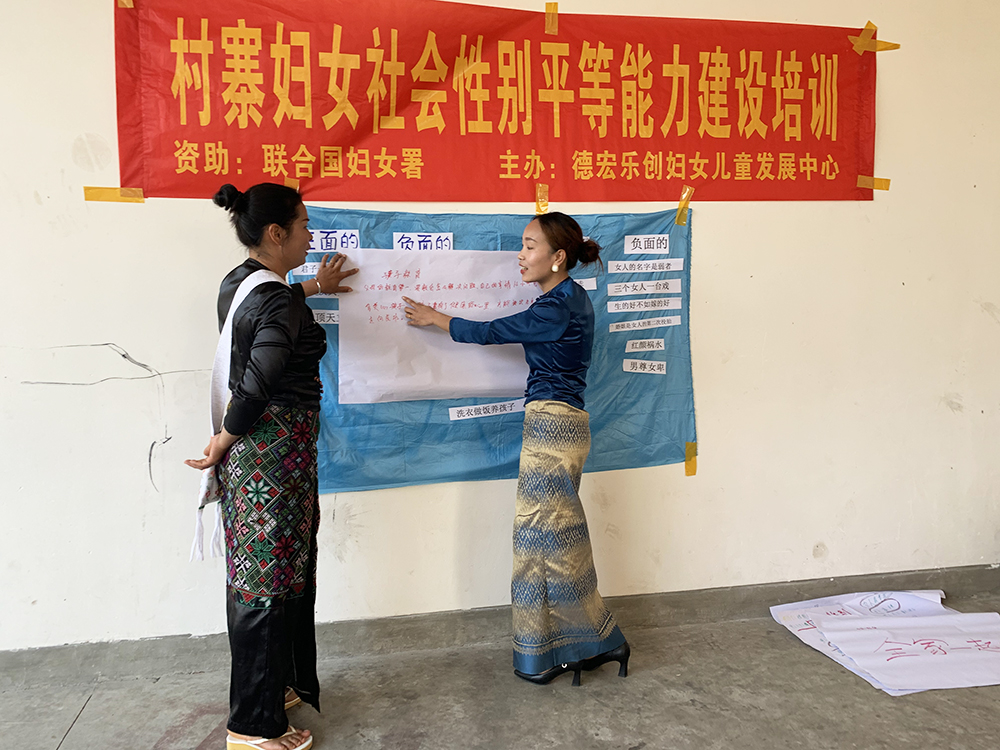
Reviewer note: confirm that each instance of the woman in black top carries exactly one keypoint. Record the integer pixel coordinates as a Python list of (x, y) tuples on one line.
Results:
[(265, 454)]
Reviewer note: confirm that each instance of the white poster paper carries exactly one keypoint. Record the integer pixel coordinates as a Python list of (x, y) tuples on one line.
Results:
[(306, 269), (423, 241), (821, 623), (327, 317), (664, 286), (646, 366), (589, 283), (922, 653), (638, 325), (485, 410), (645, 266), (638, 305), (384, 359), (645, 345), (647, 243), (334, 240)]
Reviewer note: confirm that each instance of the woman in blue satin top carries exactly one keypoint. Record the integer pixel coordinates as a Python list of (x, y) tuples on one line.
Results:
[(557, 332), (560, 621)]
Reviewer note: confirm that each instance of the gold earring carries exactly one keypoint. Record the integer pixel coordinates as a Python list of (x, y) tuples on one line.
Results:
[(555, 268)]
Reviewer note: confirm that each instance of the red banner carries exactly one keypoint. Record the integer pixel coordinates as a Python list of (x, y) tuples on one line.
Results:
[(413, 100)]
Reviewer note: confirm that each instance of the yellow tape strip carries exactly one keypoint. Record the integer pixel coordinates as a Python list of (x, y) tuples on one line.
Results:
[(865, 43), (690, 459), (873, 183), (126, 3), (681, 219), (861, 41), (552, 18), (118, 195), (541, 198), (292, 183)]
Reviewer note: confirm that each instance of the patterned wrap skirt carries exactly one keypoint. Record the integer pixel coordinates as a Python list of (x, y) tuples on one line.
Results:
[(559, 616), (270, 516)]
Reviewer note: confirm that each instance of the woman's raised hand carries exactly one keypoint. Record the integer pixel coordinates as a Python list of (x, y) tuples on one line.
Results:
[(424, 315), (331, 273), (417, 314)]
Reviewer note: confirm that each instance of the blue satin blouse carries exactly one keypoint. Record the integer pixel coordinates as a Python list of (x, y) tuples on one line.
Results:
[(557, 333)]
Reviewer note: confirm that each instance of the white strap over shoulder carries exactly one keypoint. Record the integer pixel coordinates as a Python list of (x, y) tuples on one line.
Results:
[(210, 490), (223, 352)]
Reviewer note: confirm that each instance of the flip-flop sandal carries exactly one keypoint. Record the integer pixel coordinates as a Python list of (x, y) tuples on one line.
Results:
[(291, 698), (232, 743)]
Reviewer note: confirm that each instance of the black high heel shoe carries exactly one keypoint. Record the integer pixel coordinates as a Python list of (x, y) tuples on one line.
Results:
[(620, 655), (548, 675)]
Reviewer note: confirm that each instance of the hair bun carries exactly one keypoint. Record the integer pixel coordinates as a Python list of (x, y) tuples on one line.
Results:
[(589, 251), (227, 196)]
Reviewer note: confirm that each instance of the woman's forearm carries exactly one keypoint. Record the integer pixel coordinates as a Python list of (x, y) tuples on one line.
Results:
[(442, 321)]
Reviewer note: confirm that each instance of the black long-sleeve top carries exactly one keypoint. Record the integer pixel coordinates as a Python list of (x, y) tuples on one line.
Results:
[(277, 346)]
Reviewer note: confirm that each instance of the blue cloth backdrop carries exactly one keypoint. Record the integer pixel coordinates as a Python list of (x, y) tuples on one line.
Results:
[(636, 419)]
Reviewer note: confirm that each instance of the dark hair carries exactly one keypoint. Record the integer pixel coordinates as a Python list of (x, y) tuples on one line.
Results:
[(563, 233), (260, 206)]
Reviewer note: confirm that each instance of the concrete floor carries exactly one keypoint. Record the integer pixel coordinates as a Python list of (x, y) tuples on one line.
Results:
[(737, 683)]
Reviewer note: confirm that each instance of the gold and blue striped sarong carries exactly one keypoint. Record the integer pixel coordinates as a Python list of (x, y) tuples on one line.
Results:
[(559, 616)]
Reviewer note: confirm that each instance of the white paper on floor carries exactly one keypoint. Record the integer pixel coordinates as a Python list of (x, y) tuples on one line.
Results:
[(901, 642)]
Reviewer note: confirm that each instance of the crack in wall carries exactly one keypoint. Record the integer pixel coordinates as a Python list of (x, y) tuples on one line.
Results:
[(152, 373)]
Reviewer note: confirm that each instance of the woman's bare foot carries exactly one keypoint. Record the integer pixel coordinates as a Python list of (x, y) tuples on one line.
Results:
[(293, 739)]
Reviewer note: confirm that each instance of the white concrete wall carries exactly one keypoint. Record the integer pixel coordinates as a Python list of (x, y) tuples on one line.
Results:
[(846, 360)]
